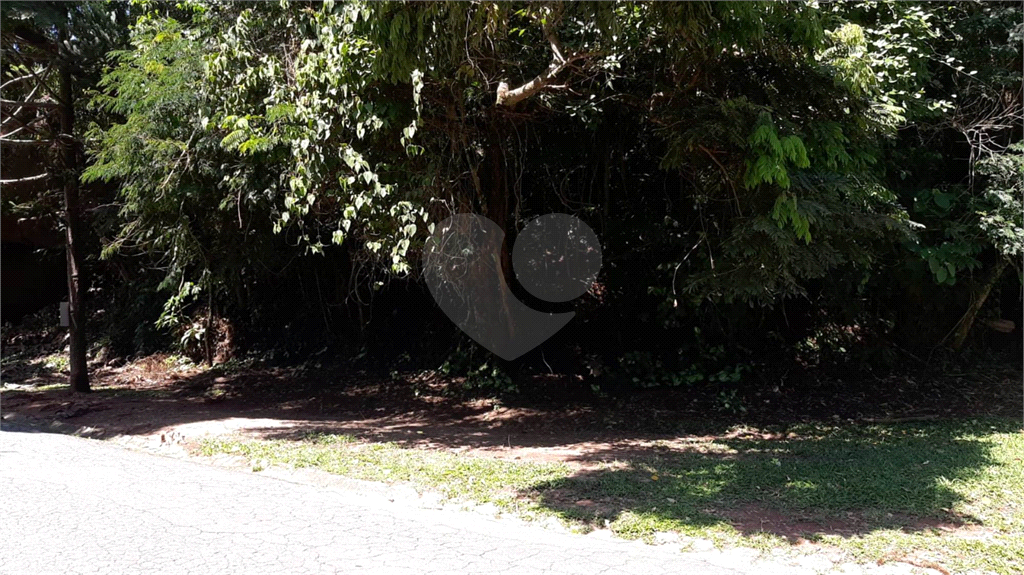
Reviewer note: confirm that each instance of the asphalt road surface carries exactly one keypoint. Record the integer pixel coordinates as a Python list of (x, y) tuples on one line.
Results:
[(73, 505)]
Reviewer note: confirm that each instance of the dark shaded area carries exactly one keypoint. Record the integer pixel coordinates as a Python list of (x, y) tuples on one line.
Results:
[(32, 279), (150, 394), (710, 300)]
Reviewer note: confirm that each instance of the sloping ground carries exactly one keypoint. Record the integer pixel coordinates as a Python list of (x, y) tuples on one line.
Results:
[(918, 486), (166, 394)]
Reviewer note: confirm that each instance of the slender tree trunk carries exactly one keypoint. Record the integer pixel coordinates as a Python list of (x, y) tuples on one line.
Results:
[(606, 183), (208, 334), (963, 329), (499, 208), (69, 173)]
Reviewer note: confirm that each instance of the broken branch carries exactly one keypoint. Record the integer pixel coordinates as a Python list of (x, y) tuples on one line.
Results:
[(511, 97)]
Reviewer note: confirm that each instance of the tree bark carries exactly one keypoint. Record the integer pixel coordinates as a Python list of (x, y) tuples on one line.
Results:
[(497, 209), (963, 329), (69, 174)]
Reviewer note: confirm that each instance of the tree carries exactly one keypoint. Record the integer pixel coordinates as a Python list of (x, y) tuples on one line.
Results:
[(50, 50), (744, 163)]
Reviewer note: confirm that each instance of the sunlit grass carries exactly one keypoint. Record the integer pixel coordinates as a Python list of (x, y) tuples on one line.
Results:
[(951, 492), (474, 479)]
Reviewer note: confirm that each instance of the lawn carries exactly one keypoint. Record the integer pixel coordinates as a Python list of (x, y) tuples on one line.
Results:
[(947, 493)]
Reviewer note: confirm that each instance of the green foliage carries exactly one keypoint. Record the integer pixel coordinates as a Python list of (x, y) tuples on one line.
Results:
[(225, 139), (737, 159), (773, 155), (960, 225), (478, 371), (703, 367), (307, 115), (155, 155), (1000, 209)]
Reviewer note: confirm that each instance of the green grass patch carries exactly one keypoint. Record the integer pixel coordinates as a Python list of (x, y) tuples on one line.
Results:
[(878, 492), (58, 362), (457, 477)]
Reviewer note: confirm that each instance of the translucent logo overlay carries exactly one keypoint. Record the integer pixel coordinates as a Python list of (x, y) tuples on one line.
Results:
[(556, 258)]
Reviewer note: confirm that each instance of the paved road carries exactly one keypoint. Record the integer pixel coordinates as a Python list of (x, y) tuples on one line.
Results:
[(72, 505)]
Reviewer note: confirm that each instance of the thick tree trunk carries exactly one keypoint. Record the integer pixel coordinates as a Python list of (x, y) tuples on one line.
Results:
[(69, 173), (963, 329), (498, 210)]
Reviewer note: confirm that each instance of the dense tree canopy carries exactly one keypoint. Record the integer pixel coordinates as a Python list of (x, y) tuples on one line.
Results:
[(833, 182)]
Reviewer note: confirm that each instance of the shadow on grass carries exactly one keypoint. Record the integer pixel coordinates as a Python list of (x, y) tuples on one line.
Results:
[(846, 482), (798, 481), (29, 370)]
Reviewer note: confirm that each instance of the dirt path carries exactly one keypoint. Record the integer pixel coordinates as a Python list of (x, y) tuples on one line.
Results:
[(148, 400), (155, 397)]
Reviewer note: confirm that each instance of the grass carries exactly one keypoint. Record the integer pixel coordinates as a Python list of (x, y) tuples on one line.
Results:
[(474, 479), (880, 492), (58, 362)]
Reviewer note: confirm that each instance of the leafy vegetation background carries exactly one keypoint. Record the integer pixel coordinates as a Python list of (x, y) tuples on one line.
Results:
[(782, 190)]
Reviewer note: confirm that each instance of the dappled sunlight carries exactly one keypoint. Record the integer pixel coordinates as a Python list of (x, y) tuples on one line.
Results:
[(857, 487), (952, 487), (847, 483)]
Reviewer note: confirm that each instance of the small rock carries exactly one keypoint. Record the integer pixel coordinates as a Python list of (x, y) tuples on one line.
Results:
[(665, 537), (552, 523)]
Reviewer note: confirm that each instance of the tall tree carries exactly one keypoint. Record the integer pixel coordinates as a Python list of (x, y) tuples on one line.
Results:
[(51, 53), (743, 162)]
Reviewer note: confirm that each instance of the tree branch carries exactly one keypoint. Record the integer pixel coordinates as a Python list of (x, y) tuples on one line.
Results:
[(725, 174), (511, 97), (26, 179), (25, 125), (25, 142), (556, 44), (22, 104), (14, 80), (14, 115), (40, 80)]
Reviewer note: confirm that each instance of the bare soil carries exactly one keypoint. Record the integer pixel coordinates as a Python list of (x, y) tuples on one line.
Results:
[(156, 396), (163, 400)]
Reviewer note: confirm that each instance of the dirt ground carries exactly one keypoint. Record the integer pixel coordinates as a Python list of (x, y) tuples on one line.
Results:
[(160, 396), (166, 402), (557, 419), (149, 398)]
